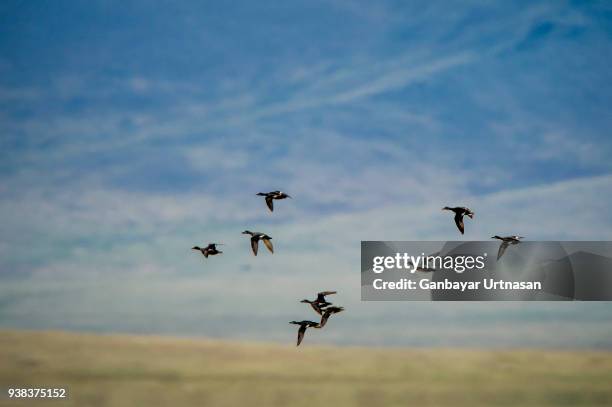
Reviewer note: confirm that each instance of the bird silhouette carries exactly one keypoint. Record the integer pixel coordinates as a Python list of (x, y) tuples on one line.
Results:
[(328, 312), (319, 303), (460, 212), (302, 330), (271, 196), (315, 306), (506, 241), (256, 237), (209, 250)]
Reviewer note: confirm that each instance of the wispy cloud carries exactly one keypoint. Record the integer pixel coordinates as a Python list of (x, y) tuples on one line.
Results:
[(116, 158), (181, 282)]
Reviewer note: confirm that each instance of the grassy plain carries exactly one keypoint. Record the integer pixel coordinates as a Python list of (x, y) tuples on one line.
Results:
[(122, 370)]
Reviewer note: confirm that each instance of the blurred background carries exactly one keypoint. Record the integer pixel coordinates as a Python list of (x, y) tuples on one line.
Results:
[(132, 131)]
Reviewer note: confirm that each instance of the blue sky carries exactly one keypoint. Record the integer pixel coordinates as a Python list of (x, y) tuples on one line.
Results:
[(130, 131)]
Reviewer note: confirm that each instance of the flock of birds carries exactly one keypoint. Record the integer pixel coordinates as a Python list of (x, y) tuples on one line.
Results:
[(320, 305), (461, 211)]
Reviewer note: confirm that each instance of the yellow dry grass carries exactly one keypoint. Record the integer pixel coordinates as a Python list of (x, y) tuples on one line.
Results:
[(121, 370)]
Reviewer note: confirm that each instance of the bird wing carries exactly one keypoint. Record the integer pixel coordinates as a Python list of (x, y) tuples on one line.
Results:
[(268, 244), (324, 319), (322, 294), (254, 245), (316, 308), (502, 249), (301, 333), (459, 222), (270, 203)]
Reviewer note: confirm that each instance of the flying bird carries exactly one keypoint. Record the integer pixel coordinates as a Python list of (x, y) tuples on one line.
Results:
[(460, 212), (315, 306), (506, 241), (209, 250), (271, 196), (328, 312), (302, 330), (256, 237), (319, 303)]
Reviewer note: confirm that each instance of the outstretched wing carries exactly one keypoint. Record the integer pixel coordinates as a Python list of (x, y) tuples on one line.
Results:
[(502, 249), (316, 308), (322, 294), (459, 222), (324, 319), (268, 244), (254, 245), (301, 333), (270, 203)]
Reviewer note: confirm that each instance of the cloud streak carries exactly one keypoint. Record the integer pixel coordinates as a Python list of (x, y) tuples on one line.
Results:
[(116, 159)]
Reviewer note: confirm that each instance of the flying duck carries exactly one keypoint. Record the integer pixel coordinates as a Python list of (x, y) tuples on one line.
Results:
[(328, 312), (315, 306), (320, 302), (460, 212), (209, 250), (303, 325), (506, 241), (270, 196), (256, 237)]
